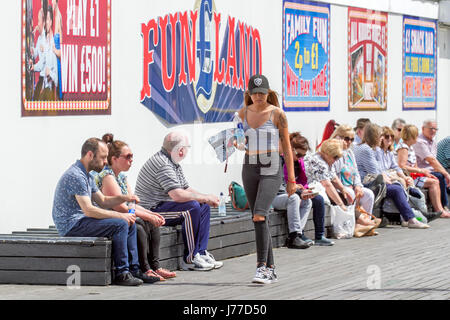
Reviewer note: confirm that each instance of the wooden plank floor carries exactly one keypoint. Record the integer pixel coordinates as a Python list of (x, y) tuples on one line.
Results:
[(410, 264)]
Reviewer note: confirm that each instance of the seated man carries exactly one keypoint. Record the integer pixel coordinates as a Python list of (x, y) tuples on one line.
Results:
[(426, 152), (75, 215), (162, 188)]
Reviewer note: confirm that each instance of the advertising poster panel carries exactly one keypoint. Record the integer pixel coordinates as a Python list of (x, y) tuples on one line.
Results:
[(367, 59), (419, 63), (66, 57), (197, 63), (306, 56)]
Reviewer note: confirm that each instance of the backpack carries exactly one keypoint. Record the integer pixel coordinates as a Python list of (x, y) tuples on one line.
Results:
[(237, 195)]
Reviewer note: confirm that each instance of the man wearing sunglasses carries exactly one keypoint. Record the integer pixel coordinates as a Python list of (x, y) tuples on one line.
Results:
[(426, 152)]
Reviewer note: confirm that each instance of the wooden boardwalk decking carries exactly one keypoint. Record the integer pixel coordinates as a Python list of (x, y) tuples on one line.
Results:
[(399, 263)]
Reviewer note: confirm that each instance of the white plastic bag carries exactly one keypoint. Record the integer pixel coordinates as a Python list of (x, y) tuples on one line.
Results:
[(343, 222)]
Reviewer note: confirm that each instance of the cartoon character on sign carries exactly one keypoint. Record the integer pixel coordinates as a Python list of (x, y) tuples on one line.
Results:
[(204, 86)]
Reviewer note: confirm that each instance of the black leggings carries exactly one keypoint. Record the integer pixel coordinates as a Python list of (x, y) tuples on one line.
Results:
[(261, 185), (148, 239)]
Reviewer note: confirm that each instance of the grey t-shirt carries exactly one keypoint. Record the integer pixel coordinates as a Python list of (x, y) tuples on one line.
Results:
[(157, 177)]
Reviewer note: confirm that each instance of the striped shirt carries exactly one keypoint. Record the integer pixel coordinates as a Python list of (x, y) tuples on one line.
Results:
[(157, 177), (443, 152), (387, 160), (366, 160)]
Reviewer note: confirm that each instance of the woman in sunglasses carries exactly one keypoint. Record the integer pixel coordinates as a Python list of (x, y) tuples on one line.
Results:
[(112, 181), (388, 163), (347, 170), (368, 166), (319, 168), (407, 160)]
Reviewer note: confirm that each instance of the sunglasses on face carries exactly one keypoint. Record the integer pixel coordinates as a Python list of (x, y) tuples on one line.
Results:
[(348, 139), (127, 156), (399, 129), (387, 136), (434, 129)]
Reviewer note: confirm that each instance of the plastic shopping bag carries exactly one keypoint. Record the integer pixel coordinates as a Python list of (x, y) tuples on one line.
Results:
[(343, 222)]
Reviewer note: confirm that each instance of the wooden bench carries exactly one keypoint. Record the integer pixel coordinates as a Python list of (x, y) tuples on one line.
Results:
[(40, 256)]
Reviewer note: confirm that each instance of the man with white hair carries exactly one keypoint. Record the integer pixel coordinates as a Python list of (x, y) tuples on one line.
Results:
[(162, 187), (426, 152)]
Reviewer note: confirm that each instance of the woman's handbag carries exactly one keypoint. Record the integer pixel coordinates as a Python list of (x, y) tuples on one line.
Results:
[(238, 197), (343, 222)]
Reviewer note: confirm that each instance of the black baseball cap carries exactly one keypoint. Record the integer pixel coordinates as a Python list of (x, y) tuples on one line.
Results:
[(258, 83)]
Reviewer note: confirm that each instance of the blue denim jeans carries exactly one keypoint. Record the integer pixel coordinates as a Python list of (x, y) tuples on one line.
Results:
[(124, 241), (443, 187)]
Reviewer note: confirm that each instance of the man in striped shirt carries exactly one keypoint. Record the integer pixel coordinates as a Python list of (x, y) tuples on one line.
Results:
[(162, 187)]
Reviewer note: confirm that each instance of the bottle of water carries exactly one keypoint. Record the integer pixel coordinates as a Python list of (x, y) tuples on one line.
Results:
[(222, 205), (132, 207), (239, 132)]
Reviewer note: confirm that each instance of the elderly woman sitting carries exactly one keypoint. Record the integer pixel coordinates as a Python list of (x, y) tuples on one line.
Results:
[(319, 168), (346, 169)]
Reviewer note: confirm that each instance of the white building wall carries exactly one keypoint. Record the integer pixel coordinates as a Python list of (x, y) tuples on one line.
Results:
[(37, 150)]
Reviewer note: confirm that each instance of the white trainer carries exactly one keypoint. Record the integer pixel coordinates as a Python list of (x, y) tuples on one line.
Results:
[(198, 264), (209, 258)]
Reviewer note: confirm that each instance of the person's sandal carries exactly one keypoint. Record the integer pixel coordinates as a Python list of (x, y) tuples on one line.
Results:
[(166, 273)]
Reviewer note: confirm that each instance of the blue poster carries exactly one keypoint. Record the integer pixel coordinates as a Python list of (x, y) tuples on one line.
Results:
[(306, 56), (419, 63)]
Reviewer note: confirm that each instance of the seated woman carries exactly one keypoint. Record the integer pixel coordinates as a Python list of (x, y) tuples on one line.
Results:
[(347, 170), (298, 205), (319, 168), (406, 158), (368, 165), (111, 181), (386, 158)]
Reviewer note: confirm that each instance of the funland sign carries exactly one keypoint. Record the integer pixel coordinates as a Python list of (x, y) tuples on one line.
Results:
[(190, 73)]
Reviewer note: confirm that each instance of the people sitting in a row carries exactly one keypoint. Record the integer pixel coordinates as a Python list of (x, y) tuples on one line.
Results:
[(167, 200)]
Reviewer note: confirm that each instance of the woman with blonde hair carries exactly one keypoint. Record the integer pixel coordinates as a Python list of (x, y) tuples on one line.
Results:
[(424, 179), (319, 168), (347, 171), (368, 165)]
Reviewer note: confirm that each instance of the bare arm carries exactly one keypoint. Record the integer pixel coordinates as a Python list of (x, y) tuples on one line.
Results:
[(282, 124), (332, 193), (92, 211), (438, 167), (189, 194), (111, 188)]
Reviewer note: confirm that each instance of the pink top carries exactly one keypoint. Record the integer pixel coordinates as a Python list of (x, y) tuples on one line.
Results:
[(300, 176)]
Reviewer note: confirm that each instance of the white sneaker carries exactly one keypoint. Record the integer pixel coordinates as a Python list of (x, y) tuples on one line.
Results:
[(209, 258), (198, 264)]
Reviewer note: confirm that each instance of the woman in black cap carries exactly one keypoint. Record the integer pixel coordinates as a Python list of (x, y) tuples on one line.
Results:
[(266, 128)]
